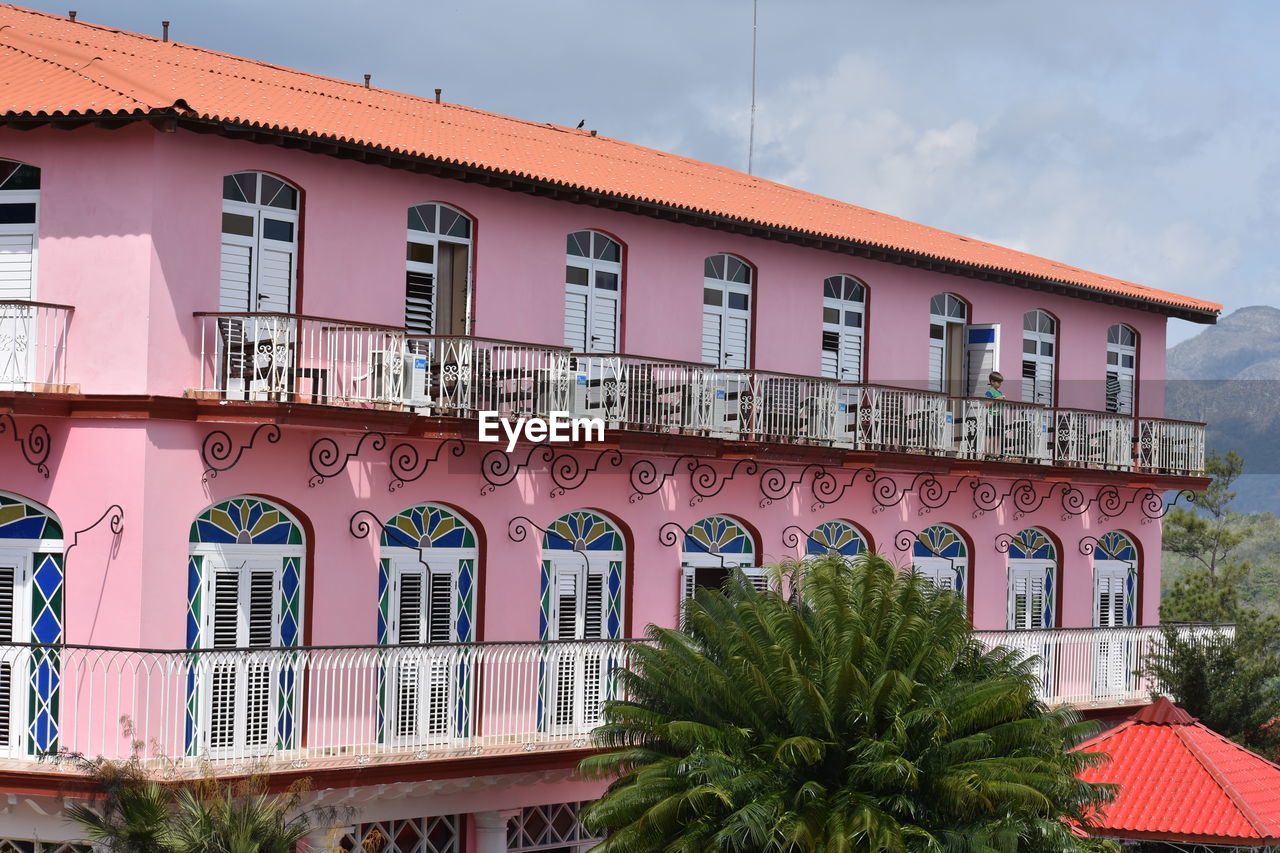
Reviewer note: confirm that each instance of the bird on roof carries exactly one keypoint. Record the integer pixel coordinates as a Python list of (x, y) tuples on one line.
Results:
[(581, 123)]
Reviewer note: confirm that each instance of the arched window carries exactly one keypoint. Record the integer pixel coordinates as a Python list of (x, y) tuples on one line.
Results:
[(426, 594), (713, 548), (583, 557), (941, 556), (244, 590), (31, 594), (1039, 356), (835, 537), (592, 292), (1033, 571), (437, 297), (726, 312), (259, 244), (19, 234), (844, 308), (948, 315), (1122, 368)]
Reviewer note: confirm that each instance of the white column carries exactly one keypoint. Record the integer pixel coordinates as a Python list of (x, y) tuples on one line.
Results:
[(491, 831)]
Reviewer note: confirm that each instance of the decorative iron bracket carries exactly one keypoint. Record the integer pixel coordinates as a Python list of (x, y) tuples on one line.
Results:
[(327, 459), (219, 453), (113, 515), (407, 465), (497, 469), (35, 447), (568, 473)]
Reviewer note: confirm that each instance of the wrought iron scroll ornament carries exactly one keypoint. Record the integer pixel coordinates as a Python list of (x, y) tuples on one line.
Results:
[(568, 473), (903, 540), (1003, 542), (35, 447), (328, 461), (113, 515), (792, 536), (1154, 506), (776, 485), (1088, 545), (646, 478), (671, 533), (497, 467), (359, 527), (518, 531), (219, 453), (707, 482), (827, 487), (408, 465)]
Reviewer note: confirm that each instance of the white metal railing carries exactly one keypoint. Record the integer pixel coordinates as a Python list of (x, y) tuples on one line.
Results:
[(1170, 447), (33, 345), (1094, 667), (458, 376), (763, 406), (291, 705), (298, 359), (881, 417), (650, 394), (1093, 439), (1001, 429)]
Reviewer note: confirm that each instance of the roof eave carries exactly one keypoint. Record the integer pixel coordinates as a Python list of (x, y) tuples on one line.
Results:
[(377, 155)]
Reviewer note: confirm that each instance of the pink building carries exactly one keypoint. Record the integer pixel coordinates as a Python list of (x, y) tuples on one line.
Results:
[(250, 317)]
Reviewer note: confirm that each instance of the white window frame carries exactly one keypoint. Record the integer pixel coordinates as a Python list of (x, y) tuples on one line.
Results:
[(22, 327), (941, 379), (259, 211), (1115, 660), (722, 314), (1033, 569), (587, 671), (244, 559), (440, 664), (1038, 338), (19, 552), (592, 296), (1126, 401), (843, 332), (434, 239)]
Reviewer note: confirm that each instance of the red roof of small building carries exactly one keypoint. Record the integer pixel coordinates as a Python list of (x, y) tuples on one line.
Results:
[(1180, 781), (53, 67)]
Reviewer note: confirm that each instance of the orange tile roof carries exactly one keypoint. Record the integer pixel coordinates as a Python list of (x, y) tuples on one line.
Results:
[(1180, 781), (53, 67)]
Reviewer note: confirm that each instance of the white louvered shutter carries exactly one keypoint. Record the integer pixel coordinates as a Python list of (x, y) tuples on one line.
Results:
[(275, 277), (1027, 595), (937, 571), (236, 276), (737, 339), (409, 632), (420, 303), (440, 630), (261, 634), (8, 658), (17, 263), (575, 318), (937, 364), (240, 684), (225, 634), (1113, 665), (593, 628), (604, 321), (712, 348)]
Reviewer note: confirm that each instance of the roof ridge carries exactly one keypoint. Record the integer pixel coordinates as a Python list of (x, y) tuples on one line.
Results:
[(1237, 799)]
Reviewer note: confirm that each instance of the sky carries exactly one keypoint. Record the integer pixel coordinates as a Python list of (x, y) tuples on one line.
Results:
[(1136, 138)]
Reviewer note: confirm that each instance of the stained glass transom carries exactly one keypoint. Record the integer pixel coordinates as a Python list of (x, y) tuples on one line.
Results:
[(21, 520), (717, 534), (415, 835), (244, 521), (939, 540), (582, 531), (427, 526), (1032, 544), (550, 826), (1116, 546), (835, 537)]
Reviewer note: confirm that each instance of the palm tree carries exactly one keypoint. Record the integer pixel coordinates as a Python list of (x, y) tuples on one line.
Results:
[(139, 815), (857, 715)]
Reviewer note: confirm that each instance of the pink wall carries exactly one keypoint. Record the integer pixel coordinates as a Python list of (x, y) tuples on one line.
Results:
[(132, 591), (124, 207)]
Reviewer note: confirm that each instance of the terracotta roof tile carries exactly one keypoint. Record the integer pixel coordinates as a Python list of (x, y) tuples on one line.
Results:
[(1180, 781), (50, 66)]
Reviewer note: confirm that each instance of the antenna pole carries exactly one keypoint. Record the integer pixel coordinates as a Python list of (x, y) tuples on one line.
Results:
[(751, 138)]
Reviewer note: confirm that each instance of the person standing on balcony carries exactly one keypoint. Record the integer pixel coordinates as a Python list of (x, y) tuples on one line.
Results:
[(995, 414)]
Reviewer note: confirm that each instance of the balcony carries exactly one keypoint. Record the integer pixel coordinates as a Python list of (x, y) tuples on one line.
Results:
[(1093, 667), (333, 706), (297, 359), (33, 346)]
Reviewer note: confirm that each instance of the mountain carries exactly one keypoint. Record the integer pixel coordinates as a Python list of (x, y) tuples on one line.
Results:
[(1229, 376)]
